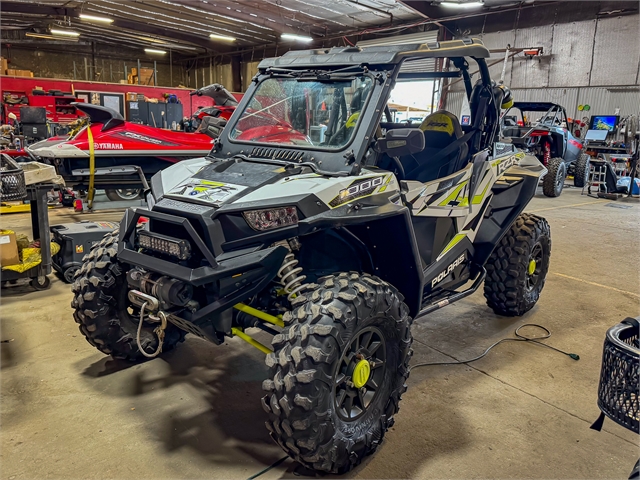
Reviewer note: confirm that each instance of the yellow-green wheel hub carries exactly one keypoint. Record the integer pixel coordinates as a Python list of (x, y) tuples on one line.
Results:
[(361, 373), (532, 267)]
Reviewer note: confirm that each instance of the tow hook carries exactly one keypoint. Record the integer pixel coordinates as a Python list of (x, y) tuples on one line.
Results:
[(150, 304)]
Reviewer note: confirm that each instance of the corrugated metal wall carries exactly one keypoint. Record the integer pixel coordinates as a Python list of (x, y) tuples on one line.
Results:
[(601, 100), (580, 58)]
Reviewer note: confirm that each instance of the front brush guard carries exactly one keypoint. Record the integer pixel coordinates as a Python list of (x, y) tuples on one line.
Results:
[(244, 273)]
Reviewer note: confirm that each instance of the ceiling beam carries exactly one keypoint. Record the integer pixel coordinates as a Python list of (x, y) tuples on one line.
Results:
[(136, 26)]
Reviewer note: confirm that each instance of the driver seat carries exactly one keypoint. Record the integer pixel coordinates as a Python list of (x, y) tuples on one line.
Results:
[(440, 130)]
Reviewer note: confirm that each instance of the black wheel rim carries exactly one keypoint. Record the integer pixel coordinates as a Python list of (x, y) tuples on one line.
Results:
[(560, 178), (534, 266), (350, 401)]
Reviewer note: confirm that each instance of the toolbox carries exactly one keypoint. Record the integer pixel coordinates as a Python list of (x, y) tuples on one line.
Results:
[(76, 240)]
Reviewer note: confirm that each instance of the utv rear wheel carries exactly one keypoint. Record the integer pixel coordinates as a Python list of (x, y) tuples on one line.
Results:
[(517, 268), (338, 371), (101, 306), (581, 170), (554, 179)]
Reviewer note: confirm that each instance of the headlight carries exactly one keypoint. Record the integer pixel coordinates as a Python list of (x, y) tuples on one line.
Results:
[(174, 247), (271, 218)]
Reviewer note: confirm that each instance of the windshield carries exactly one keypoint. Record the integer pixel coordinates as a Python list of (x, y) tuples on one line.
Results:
[(305, 113)]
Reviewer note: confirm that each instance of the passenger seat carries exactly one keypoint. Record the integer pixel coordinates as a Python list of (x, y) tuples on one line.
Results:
[(440, 129)]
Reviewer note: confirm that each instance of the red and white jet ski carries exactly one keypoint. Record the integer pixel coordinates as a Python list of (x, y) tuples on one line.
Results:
[(123, 150)]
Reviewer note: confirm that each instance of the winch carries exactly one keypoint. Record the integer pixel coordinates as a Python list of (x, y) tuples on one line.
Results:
[(168, 291)]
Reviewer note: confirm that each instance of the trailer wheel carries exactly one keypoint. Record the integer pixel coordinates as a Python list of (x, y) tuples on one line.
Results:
[(123, 194), (338, 371)]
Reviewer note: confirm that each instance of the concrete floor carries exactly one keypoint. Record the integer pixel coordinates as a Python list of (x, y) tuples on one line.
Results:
[(521, 412)]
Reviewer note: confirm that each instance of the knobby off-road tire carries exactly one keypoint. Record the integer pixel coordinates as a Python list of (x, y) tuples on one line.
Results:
[(581, 170), (513, 283), (309, 416), (101, 306), (554, 179)]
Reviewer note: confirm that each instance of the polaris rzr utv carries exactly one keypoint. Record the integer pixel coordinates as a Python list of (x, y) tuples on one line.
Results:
[(549, 138), (321, 222)]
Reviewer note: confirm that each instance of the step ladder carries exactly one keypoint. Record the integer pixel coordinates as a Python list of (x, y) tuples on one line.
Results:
[(597, 176)]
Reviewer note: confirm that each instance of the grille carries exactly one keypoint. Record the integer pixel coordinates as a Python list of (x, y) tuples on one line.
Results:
[(277, 154), (619, 378)]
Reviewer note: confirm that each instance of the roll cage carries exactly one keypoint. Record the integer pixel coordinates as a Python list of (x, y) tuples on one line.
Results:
[(385, 65)]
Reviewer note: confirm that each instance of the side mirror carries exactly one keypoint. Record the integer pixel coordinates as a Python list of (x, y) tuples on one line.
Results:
[(401, 141)]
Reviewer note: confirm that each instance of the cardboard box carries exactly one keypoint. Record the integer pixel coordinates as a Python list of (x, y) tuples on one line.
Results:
[(3, 66), (19, 73), (8, 248)]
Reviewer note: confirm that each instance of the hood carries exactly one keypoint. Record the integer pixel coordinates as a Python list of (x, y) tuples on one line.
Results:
[(215, 183)]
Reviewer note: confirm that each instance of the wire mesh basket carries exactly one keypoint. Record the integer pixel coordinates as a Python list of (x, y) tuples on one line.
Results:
[(12, 183), (620, 375)]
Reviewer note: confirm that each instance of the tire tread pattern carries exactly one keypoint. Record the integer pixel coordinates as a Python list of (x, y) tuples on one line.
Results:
[(299, 399), (95, 306), (554, 167), (504, 285)]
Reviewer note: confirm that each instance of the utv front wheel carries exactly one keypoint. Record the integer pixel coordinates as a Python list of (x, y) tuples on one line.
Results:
[(101, 306), (553, 181), (517, 268), (338, 371)]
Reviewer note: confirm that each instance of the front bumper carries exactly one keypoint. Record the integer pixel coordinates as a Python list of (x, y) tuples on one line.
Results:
[(233, 276)]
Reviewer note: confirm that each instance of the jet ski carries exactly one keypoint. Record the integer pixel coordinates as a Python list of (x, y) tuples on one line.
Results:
[(125, 152)]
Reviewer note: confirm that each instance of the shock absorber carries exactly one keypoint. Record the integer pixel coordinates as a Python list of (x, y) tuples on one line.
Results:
[(547, 153), (290, 277)]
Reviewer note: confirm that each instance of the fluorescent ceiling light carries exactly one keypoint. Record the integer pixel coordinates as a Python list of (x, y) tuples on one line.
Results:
[(93, 18), (215, 36), (462, 4), (297, 38), (49, 37), (66, 33), (153, 50)]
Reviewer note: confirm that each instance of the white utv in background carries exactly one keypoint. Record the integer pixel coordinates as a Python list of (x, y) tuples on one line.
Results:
[(318, 220)]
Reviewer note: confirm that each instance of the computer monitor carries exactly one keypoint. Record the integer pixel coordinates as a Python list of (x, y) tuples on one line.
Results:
[(596, 135), (604, 122)]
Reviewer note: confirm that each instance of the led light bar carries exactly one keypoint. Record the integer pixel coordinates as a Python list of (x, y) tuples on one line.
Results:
[(297, 38), (93, 18), (271, 218), (153, 50), (215, 36), (174, 247), (64, 33)]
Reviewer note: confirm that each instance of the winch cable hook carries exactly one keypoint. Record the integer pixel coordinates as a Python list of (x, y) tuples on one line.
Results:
[(159, 331)]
